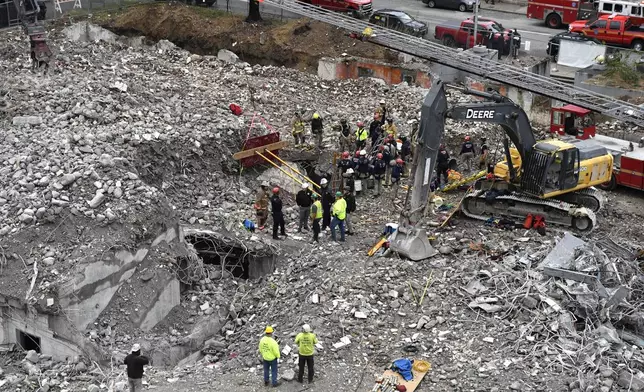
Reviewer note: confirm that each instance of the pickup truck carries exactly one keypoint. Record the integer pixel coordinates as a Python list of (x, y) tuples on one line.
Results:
[(462, 35), (357, 8), (614, 30)]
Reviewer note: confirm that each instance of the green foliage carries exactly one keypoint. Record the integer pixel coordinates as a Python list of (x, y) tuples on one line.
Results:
[(616, 67)]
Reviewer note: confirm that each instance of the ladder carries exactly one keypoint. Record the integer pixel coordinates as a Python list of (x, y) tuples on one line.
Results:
[(475, 65)]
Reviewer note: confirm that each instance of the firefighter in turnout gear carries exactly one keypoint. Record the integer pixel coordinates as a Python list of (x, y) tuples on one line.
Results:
[(261, 205), (346, 136), (298, 129)]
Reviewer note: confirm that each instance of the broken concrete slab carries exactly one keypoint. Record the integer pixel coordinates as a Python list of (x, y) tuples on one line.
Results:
[(562, 255), (631, 381)]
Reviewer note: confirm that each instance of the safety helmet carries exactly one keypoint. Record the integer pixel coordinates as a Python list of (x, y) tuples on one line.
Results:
[(324, 181), (314, 195), (358, 153), (382, 102), (316, 115), (276, 190), (338, 194), (379, 156), (363, 152), (305, 185), (381, 148), (441, 147), (306, 328), (268, 329), (399, 161), (360, 124), (467, 138), (265, 183), (349, 171), (345, 155)]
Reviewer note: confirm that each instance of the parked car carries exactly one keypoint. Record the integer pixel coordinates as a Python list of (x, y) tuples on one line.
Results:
[(357, 8), (461, 5), (555, 42), (462, 35), (400, 21), (613, 30)]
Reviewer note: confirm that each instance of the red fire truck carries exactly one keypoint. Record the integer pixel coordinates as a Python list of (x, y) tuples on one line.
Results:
[(628, 156), (557, 13)]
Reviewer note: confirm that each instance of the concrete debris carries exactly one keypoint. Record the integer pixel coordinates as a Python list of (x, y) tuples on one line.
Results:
[(288, 375), (32, 356)]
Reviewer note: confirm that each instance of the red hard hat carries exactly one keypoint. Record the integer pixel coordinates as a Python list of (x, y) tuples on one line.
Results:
[(379, 156), (345, 154), (399, 160), (381, 148), (467, 138), (276, 190), (360, 124), (358, 153)]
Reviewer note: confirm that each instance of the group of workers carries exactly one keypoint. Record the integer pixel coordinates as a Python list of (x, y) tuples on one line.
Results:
[(468, 154), (270, 351)]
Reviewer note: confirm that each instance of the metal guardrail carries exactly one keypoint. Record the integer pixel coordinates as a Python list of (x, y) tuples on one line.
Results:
[(475, 65)]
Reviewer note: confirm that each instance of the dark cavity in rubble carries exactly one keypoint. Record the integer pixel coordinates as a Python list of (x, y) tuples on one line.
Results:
[(236, 258)]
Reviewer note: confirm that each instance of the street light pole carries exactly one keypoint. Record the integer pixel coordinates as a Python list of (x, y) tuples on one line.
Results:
[(476, 20)]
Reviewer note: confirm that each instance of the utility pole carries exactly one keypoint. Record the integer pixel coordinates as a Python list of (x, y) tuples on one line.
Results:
[(476, 20)]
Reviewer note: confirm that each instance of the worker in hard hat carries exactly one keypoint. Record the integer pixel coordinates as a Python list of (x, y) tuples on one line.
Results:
[(382, 111), (351, 208), (270, 351), (346, 136), (316, 128), (379, 169), (362, 135), (349, 181), (339, 210), (327, 202), (306, 341), (303, 200), (442, 165), (468, 152), (261, 205), (316, 216), (363, 164), (298, 129), (396, 174), (278, 215), (367, 33), (390, 128)]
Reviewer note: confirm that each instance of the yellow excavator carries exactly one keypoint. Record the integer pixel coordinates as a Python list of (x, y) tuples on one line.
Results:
[(551, 178)]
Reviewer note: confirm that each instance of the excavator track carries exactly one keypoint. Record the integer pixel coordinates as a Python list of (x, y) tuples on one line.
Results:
[(590, 198), (519, 205)]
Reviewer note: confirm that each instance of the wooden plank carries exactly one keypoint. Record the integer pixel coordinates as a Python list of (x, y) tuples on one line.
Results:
[(251, 152), (410, 385)]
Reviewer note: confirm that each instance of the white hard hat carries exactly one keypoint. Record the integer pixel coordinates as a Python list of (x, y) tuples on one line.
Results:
[(306, 328), (324, 181), (135, 348), (265, 183), (363, 152), (382, 101), (349, 171), (305, 185)]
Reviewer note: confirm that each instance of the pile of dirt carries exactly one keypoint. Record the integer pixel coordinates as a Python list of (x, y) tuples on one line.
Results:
[(294, 43)]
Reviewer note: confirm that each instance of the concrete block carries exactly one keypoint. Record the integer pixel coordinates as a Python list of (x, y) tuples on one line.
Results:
[(168, 297)]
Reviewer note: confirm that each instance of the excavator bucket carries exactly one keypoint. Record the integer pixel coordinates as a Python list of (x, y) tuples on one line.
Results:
[(411, 243)]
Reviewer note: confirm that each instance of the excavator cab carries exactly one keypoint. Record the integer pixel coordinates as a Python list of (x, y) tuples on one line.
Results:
[(551, 169)]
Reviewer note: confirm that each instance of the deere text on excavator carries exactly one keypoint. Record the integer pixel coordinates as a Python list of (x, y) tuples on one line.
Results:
[(551, 178)]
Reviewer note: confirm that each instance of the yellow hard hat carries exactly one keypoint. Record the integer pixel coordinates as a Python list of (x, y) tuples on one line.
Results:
[(315, 115), (268, 329)]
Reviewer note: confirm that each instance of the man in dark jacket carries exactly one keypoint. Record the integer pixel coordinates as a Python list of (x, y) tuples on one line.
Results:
[(303, 200), (363, 165), (327, 202), (375, 132), (468, 152), (379, 169), (396, 173), (351, 208), (316, 128), (442, 164), (135, 362), (278, 215)]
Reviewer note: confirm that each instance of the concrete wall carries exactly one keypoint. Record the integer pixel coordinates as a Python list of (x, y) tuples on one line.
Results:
[(583, 75), (353, 68), (89, 292)]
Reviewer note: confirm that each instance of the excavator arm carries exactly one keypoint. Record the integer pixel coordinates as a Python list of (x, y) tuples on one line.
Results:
[(30, 13)]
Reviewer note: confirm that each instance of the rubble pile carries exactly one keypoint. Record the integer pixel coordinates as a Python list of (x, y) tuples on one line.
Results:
[(121, 134)]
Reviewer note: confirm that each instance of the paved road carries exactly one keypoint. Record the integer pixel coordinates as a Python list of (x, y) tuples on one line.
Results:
[(533, 31)]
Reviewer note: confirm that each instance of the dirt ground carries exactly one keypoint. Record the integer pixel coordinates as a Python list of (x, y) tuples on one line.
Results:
[(294, 43)]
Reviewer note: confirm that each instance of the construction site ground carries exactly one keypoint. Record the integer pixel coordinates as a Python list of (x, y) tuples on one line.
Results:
[(147, 125)]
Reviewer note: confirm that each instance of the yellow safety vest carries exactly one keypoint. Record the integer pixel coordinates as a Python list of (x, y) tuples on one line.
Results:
[(318, 210), (362, 134), (391, 130), (340, 209), (268, 348), (298, 126)]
